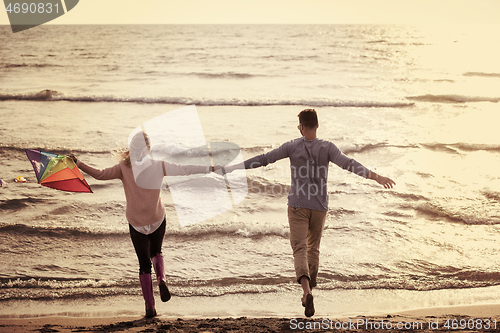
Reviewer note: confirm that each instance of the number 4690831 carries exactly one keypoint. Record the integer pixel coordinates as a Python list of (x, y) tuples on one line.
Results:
[(32, 8)]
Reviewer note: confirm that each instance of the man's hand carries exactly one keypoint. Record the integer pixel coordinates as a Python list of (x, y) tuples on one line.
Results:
[(384, 181)]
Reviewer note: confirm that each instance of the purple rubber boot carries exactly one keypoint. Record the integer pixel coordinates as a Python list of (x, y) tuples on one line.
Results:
[(159, 268), (147, 293)]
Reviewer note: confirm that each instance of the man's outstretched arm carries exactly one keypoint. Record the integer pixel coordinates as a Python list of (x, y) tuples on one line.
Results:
[(346, 163), (262, 160)]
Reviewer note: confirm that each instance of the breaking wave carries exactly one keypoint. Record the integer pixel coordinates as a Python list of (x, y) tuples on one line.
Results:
[(39, 231), (437, 211), (52, 95), (225, 75), (456, 148), (16, 150), (36, 288), (29, 65), (196, 231), (451, 98), (482, 74)]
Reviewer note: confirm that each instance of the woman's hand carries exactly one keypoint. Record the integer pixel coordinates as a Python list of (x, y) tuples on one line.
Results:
[(218, 169), (73, 157)]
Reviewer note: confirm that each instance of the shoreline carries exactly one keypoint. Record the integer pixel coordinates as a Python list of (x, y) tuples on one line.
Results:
[(338, 303), (472, 317), (336, 310)]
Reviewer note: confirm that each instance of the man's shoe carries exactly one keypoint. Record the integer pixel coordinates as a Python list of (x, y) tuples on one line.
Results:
[(309, 312)]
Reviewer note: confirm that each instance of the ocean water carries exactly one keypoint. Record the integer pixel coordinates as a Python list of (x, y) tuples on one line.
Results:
[(417, 104)]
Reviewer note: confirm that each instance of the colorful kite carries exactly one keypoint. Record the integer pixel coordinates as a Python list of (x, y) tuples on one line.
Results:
[(57, 171)]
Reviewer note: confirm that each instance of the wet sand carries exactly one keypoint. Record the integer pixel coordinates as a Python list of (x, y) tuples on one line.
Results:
[(459, 318)]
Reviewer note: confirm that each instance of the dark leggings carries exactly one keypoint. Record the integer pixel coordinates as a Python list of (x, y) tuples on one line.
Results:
[(147, 246)]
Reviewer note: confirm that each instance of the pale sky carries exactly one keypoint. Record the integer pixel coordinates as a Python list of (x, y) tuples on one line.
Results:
[(278, 12)]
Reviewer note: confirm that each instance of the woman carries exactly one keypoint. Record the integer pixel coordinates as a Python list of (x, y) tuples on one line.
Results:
[(142, 178)]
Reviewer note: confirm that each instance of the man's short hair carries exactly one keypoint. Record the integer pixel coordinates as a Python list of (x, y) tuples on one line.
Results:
[(308, 118)]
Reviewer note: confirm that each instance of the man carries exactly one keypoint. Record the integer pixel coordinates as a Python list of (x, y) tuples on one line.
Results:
[(308, 196)]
